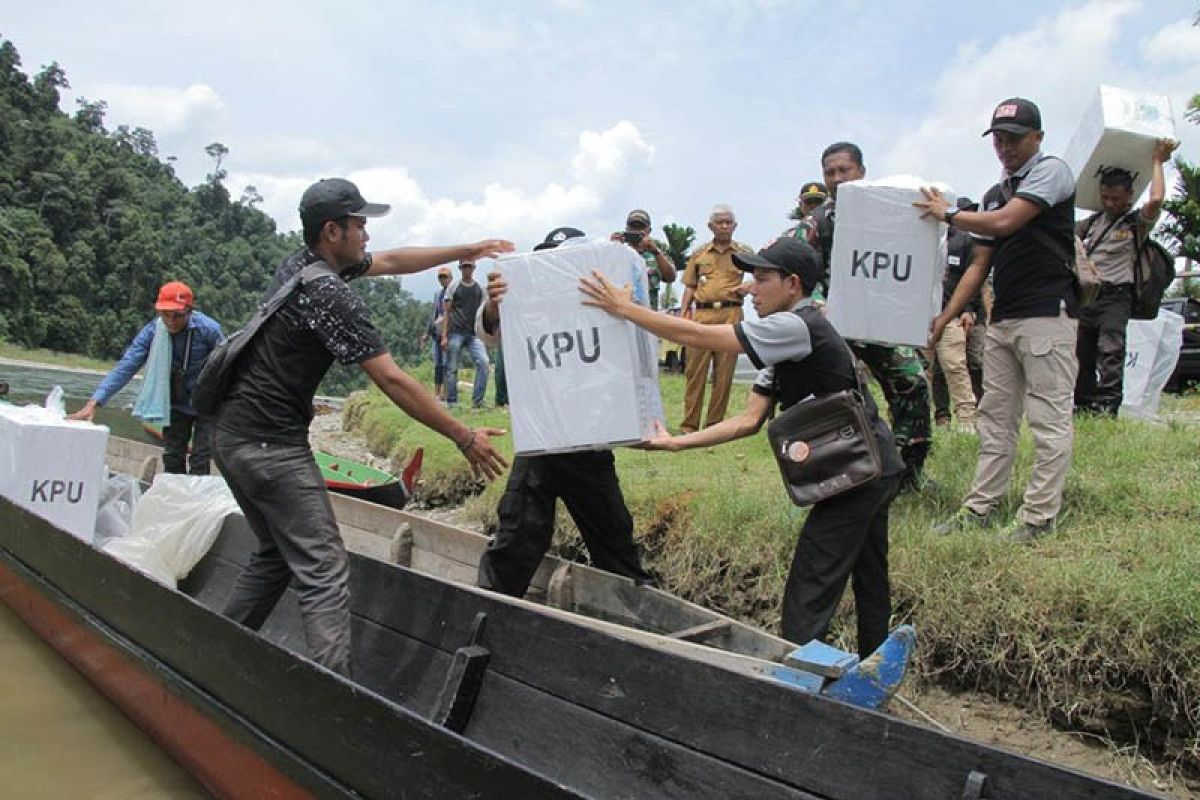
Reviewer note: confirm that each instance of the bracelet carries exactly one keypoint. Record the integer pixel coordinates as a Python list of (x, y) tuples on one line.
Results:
[(465, 446)]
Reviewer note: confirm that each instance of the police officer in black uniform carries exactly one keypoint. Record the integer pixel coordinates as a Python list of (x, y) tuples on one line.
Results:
[(800, 354)]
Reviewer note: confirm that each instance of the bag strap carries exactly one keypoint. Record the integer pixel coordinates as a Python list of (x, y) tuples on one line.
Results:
[(1091, 248), (307, 275), (1008, 190), (187, 350)]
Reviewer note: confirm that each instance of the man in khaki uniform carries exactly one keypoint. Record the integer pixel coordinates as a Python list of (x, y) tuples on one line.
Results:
[(712, 295)]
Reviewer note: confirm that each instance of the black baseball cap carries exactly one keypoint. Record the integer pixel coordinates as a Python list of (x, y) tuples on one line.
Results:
[(334, 198), (639, 216), (788, 255), (1016, 115), (557, 236)]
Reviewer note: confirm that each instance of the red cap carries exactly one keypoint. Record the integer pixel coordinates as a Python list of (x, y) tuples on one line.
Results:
[(174, 296)]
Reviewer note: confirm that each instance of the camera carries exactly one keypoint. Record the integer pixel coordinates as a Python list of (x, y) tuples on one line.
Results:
[(632, 238)]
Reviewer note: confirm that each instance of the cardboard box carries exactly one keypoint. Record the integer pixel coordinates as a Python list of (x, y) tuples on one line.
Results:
[(1119, 129), (578, 378), (53, 467), (885, 282)]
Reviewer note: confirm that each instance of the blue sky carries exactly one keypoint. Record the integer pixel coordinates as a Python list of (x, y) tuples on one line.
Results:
[(509, 118)]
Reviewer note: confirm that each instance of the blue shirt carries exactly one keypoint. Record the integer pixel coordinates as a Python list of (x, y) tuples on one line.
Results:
[(206, 334)]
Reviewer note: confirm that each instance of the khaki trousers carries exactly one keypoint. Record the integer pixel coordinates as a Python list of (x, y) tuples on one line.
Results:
[(952, 356), (1027, 363), (696, 372)]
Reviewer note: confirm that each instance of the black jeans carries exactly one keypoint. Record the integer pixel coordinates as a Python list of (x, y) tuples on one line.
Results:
[(1100, 347), (587, 483), (283, 496), (845, 536), (182, 430)]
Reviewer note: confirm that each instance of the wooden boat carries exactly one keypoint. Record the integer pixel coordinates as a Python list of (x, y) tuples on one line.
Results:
[(459, 692), (349, 477), (452, 553)]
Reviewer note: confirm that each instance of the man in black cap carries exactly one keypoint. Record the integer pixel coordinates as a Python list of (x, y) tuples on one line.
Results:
[(660, 268), (261, 439), (586, 482), (1024, 234), (800, 355)]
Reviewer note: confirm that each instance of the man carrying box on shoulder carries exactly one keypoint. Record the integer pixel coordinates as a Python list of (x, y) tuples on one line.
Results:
[(1025, 235), (1110, 238), (586, 481)]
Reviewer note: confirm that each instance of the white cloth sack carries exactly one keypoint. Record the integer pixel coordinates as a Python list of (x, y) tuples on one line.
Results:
[(1151, 351), (53, 466), (885, 282), (578, 378), (1119, 129), (174, 525)]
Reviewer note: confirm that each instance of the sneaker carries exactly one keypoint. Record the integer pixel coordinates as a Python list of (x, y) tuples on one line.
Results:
[(1026, 532), (962, 521)]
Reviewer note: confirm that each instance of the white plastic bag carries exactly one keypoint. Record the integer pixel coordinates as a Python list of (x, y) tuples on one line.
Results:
[(174, 525), (1151, 352), (118, 499)]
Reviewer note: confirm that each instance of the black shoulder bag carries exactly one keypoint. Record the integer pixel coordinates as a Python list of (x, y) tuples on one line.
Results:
[(220, 367), (825, 445)]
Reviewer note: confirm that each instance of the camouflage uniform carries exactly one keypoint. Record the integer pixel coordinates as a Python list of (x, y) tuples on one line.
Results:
[(900, 370)]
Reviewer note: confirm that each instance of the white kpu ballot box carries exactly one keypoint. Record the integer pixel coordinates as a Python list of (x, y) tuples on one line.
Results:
[(1119, 129), (885, 282), (53, 467), (578, 378)]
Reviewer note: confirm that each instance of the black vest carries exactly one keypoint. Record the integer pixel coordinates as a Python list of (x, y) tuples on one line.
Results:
[(830, 368), (1029, 278)]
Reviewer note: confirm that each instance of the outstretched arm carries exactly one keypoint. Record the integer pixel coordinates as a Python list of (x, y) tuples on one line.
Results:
[(744, 424), (416, 401), (618, 302), (407, 260)]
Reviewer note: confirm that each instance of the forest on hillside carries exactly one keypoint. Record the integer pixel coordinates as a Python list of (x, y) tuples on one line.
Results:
[(93, 220)]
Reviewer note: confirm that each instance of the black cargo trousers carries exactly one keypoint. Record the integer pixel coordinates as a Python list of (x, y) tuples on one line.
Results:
[(587, 483)]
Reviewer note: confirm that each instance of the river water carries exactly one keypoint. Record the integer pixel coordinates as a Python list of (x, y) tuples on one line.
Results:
[(59, 736)]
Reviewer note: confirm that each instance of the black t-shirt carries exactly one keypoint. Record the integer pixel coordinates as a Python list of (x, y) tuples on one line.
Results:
[(271, 397), (960, 249), (465, 301), (1030, 276)]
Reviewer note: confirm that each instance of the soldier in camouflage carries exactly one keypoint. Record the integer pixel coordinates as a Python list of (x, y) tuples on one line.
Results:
[(900, 370)]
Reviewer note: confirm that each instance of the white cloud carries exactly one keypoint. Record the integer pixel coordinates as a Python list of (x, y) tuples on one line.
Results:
[(1177, 42), (165, 110), (1058, 64), (602, 161)]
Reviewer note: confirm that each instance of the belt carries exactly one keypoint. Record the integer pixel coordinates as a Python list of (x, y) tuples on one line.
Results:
[(720, 304)]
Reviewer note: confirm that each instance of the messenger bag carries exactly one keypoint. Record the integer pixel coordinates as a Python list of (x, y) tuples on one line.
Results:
[(825, 445)]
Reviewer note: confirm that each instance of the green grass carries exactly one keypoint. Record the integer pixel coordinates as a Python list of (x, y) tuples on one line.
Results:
[(12, 351), (1096, 626)]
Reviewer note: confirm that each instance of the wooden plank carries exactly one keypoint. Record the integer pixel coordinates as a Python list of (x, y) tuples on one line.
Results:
[(705, 632), (432, 564)]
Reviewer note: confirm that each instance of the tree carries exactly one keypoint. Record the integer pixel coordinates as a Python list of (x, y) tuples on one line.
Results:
[(251, 196), (679, 243), (217, 152)]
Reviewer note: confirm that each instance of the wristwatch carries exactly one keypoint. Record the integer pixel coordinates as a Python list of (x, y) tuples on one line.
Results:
[(948, 216)]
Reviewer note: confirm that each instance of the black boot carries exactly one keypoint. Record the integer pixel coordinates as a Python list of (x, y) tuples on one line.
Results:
[(914, 461)]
